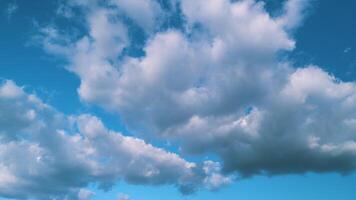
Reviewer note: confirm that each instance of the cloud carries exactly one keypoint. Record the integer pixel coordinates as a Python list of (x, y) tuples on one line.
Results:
[(146, 14), (85, 194), (217, 86), (294, 13), (347, 50), (167, 81), (123, 197), (11, 10), (47, 155), (215, 180), (143, 12)]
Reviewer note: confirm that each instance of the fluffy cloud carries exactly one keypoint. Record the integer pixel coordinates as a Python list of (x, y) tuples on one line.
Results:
[(216, 86), (239, 32), (46, 155), (215, 179)]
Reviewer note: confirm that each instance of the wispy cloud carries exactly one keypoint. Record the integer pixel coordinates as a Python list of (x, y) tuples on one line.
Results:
[(347, 50), (11, 10), (122, 196)]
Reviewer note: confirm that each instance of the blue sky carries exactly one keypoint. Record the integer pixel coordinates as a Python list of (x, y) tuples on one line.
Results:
[(279, 123)]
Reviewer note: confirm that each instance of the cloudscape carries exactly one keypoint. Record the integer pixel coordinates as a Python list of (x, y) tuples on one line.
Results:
[(177, 99)]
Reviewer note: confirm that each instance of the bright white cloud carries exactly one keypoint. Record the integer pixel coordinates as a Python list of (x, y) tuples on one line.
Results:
[(216, 86), (45, 154)]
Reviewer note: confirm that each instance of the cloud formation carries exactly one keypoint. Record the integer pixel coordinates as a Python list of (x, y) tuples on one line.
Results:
[(216, 86), (47, 155)]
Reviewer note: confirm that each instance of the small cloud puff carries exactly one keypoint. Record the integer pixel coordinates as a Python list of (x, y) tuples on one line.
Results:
[(122, 196)]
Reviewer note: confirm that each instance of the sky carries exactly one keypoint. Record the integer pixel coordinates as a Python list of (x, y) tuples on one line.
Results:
[(177, 99)]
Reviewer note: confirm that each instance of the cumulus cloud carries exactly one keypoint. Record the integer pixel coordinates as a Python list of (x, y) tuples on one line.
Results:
[(216, 86), (47, 155)]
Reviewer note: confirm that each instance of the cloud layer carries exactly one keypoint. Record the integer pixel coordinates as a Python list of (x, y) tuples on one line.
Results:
[(212, 84)]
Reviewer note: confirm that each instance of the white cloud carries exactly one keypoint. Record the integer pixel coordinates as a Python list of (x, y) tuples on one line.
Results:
[(217, 87), (240, 32), (178, 74), (45, 154), (294, 13), (215, 179)]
